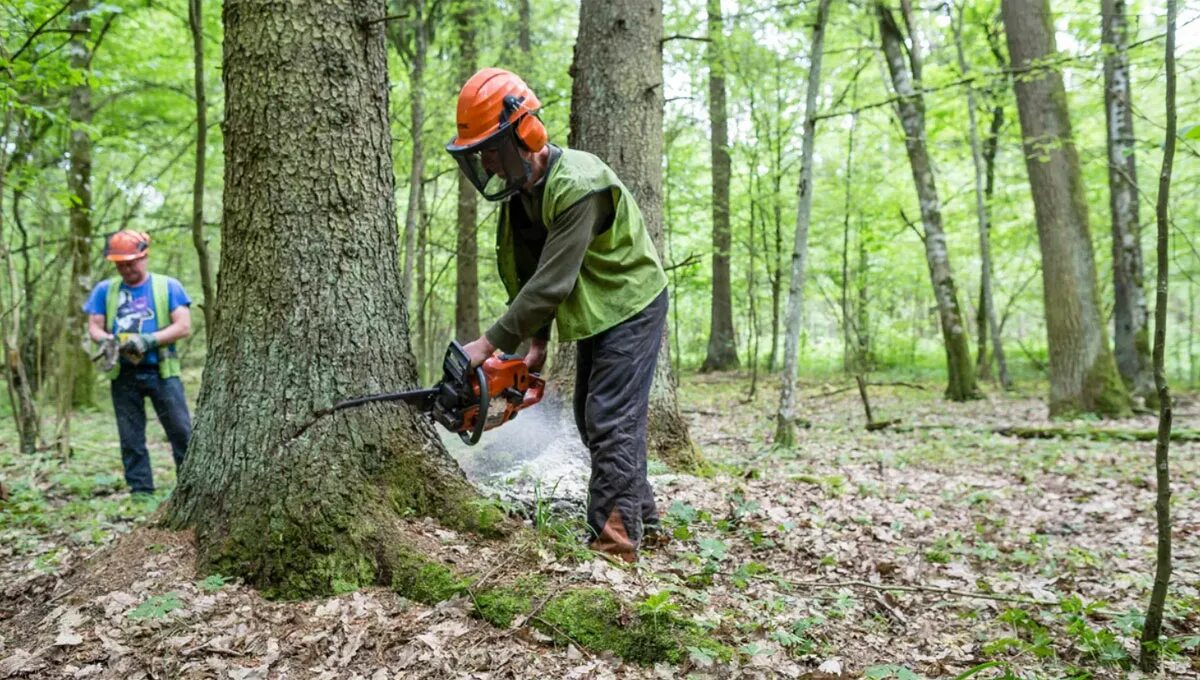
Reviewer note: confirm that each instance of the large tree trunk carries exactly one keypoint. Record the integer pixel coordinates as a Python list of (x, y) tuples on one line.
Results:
[(1131, 332), (77, 375), (1083, 375), (785, 418), (617, 114), (722, 340), (911, 107), (309, 312), (466, 264), (987, 308), (199, 241)]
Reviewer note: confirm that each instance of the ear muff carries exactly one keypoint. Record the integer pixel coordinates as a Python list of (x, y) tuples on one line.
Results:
[(531, 132)]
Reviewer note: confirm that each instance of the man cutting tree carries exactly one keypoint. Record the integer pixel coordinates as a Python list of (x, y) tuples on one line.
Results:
[(571, 247)]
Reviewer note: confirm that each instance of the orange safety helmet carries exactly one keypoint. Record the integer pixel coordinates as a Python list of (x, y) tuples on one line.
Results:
[(127, 245), (497, 118)]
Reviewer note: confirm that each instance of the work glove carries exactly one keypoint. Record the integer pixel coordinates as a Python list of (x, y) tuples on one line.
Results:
[(107, 353), (137, 346)]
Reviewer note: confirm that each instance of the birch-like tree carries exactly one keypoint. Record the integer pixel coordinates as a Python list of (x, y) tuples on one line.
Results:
[(785, 419)]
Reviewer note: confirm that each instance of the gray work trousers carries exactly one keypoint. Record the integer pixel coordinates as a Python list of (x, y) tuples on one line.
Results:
[(613, 374)]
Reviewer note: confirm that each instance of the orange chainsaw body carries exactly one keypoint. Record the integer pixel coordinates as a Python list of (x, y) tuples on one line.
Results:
[(511, 388)]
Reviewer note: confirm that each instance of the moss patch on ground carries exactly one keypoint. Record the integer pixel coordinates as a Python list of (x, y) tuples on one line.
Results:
[(595, 619), (423, 580), (499, 606)]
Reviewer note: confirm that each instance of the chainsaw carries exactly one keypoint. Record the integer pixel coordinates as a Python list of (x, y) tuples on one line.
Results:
[(470, 401)]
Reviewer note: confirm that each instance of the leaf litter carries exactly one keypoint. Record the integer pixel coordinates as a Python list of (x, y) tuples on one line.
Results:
[(916, 551)]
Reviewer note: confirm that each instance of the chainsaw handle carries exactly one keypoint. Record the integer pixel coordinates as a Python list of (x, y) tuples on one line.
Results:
[(535, 392), (481, 417)]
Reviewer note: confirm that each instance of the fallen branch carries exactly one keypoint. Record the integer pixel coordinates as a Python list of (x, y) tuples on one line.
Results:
[(882, 424), (821, 585), (894, 383), (1095, 434)]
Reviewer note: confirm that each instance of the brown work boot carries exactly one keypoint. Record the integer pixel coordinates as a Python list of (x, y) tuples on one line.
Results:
[(614, 540)]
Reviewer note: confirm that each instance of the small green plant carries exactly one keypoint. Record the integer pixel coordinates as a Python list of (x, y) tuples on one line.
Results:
[(712, 549), (890, 671), (658, 605), (741, 577), (156, 607), (212, 583)]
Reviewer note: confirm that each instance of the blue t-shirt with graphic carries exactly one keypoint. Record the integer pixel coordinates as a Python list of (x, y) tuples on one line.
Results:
[(135, 308)]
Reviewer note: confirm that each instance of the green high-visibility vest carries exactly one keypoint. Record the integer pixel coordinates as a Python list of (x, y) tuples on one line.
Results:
[(168, 360), (621, 272)]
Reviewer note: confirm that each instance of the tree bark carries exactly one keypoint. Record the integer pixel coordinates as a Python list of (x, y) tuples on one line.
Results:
[(617, 114), (196, 23), (987, 307), (1083, 375), (722, 339), (466, 264), (1130, 332), (76, 372), (310, 312), (911, 108), (785, 420), (1162, 505)]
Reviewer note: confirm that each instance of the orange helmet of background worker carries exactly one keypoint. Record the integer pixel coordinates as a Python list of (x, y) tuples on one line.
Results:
[(497, 121), (127, 245)]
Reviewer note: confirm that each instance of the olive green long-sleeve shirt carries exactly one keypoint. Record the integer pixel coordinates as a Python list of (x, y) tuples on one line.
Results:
[(548, 260)]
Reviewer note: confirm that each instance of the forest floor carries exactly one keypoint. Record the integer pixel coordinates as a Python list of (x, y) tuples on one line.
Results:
[(925, 550)]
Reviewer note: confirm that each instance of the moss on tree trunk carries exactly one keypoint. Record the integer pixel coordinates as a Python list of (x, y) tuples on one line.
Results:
[(310, 312), (1083, 374)]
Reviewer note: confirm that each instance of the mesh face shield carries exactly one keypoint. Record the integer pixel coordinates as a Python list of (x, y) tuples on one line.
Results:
[(493, 165)]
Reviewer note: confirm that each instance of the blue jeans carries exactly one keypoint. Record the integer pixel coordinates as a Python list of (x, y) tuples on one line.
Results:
[(129, 392)]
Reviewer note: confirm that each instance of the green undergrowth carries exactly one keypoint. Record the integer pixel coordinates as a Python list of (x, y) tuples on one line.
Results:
[(596, 619)]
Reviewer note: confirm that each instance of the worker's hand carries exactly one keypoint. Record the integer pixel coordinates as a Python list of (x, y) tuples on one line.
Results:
[(139, 346), (107, 353), (479, 350), (535, 358)]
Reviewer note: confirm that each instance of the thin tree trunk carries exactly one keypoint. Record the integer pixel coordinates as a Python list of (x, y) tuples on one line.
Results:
[(421, 295), (196, 22), (20, 395), (1083, 375), (1162, 505), (722, 339), (785, 421), (292, 501), (991, 145), (850, 359), (987, 310), (524, 44), (1130, 332), (617, 114), (911, 108), (419, 30), (466, 263), (862, 311), (76, 373), (750, 283), (777, 219)]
